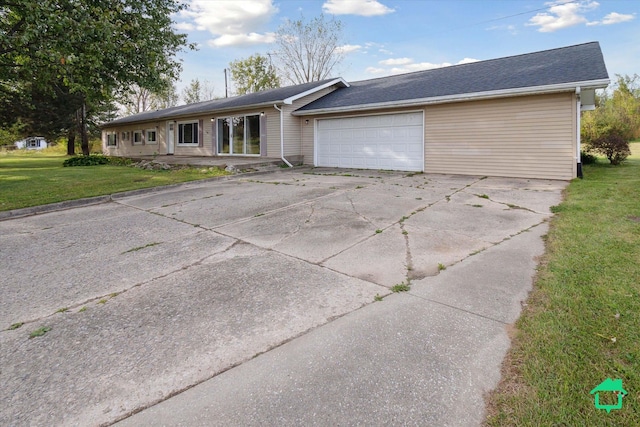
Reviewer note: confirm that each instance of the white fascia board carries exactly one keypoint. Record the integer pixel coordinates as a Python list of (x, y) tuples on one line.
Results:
[(504, 93), (178, 117), (339, 80)]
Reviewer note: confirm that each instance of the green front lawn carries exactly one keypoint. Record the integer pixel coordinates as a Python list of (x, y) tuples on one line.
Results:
[(37, 179), (581, 324)]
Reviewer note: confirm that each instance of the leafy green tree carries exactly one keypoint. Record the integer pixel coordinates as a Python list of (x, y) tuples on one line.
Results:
[(88, 49), (192, 93), (198, 91), (308, 50), (139, 99), (253, 74), (11, 134), (608, 129)]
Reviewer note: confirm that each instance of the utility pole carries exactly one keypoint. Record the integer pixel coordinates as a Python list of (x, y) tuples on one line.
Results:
[(226, 92)]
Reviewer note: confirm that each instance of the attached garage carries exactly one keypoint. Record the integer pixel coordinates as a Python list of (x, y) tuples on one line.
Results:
[(382, 141), (517, 116)]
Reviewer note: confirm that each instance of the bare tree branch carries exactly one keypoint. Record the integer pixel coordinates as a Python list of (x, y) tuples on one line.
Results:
[(308, 50)]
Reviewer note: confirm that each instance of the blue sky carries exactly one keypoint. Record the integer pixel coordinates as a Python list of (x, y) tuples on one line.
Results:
[(384, 37)]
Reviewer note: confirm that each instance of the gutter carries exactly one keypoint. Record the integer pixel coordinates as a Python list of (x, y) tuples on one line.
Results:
[(531, 90), (282, 136)]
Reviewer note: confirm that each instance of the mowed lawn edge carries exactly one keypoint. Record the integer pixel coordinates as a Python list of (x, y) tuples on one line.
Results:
[(34, 180), (581, 323)]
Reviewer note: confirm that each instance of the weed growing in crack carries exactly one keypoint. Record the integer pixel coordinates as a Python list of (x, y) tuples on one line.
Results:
[(257, 215), (148, 245), (378, 231), (405, 232), (377, 298), (83, 309), (62, 310), (482, 196), (102, 301), (39, 332), (400, 287), (359, 187), (441, 266), (15, 326), (477, 206)]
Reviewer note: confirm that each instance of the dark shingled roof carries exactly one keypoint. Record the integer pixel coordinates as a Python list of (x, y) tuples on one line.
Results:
[(270, 96), (579, 63)]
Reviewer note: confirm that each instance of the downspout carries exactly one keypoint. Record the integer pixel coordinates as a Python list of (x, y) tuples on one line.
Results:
[(578, 157), (282, 136)]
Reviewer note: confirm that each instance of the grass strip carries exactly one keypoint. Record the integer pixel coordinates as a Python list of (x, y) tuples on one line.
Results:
[(33, 180), (581, 324)]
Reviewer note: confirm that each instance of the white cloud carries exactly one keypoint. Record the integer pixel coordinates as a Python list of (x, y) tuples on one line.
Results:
[(242, 39), (385, 51), (406, 65), (356, 7), (616, 18), (348, 48), (184, 26), (563, 14), (375, 70), (234, 22), (396, 61)]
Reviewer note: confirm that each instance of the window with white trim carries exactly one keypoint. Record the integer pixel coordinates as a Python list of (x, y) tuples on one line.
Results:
[(137, 137), (188, 133), (112, 139), (151, 136)]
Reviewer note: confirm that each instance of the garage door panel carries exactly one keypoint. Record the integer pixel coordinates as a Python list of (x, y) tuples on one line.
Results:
[(389, 141)]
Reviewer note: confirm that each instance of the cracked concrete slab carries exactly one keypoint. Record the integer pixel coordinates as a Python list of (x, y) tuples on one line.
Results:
[(184, 283), (506, 273), (402, 361), (305, 231), (57, 261), (159, 338), (382, 258)]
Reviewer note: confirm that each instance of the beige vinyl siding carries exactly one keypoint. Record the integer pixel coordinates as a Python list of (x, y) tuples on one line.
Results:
[(125, 148), (528, 137), (292, 128)]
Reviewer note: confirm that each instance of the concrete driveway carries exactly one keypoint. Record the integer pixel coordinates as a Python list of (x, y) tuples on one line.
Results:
[(256, 301)]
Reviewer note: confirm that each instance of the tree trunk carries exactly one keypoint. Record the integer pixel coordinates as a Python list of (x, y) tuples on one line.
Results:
[(84, 143), (71, 143)]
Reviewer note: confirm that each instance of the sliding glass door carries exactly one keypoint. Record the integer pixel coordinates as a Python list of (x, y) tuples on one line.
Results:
[(239, 135)]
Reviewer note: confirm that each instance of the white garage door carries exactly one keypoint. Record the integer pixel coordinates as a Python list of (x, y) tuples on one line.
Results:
[(386, 141)]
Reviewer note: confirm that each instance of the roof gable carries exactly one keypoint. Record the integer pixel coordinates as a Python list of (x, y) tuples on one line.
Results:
[(580, 63)]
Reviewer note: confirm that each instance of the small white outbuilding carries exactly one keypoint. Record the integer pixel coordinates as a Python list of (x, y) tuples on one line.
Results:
[(32, 143)]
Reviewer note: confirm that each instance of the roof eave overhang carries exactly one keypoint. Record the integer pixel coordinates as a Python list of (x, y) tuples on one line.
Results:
[(177, 117), (216, 111), (475, 96), (339, 81)]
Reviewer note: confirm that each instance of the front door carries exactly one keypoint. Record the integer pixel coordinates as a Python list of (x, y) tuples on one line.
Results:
[(170, 137)]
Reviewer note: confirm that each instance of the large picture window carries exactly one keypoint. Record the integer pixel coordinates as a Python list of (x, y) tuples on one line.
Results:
[(188, 133), (239, 135)]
